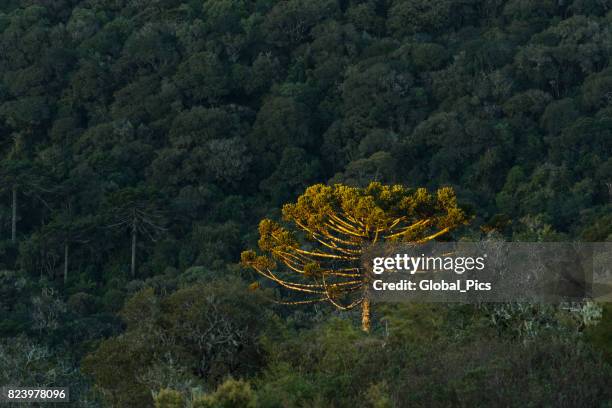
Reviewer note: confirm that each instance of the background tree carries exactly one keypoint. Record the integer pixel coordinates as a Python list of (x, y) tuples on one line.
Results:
[(64, 230), (134, 210), (21, 177), (340, 223)]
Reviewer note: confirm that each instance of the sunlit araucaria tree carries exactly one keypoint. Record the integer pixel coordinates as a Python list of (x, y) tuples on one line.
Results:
[(327, 230)]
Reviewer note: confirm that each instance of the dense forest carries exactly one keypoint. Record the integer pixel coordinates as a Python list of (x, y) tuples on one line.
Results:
[(142, 141)]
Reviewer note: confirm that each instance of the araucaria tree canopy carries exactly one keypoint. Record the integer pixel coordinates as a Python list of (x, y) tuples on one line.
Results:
[(327, 230)]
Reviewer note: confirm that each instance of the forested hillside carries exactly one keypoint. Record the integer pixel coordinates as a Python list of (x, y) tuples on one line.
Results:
[(141, 141)]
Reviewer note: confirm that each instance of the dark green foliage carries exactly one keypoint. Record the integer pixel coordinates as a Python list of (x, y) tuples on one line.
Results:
[(195, 336), (431, 356), (189, 121)]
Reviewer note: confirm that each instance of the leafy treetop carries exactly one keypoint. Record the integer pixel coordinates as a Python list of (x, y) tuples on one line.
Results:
[(332, 226)]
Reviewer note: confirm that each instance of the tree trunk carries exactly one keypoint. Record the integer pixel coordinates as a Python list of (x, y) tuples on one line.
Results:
[(365, 315), (133, 268), (66, 262), (14, 216)]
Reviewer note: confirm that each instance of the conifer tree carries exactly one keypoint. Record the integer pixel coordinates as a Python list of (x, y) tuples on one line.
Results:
[(136, 210), (328, 229)]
